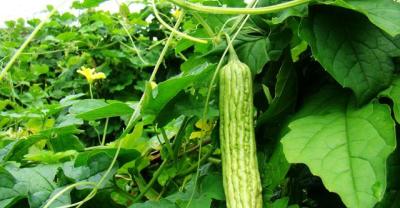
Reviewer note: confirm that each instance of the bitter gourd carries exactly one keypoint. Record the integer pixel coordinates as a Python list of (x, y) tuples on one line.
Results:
[(241, 177)]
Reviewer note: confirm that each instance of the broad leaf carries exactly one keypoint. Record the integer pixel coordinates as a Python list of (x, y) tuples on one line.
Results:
[(36, 183), (66, 142), (157, 98), (383, 13), (10, 192), (254, 52), (124, 156), (110, 110), (356, 53), (346, 146), (83, 106)]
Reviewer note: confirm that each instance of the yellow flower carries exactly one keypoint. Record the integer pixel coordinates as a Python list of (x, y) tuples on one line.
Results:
[(91, 74), (177, 13), (205, 129)]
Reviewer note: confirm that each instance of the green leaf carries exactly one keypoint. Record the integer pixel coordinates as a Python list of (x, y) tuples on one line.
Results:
[(87, 4), (83, 106), (36, 183), (157, 98), (130, 140), (393, 92), (10, 192), (92, 170), (66, 142), (285, 93), (50, 157), (280, 203), (356, 53), (163, 203), (254, 52), (124, 156), (185, 104), (39, 69), (211, 186), (67, 36), (383, 13), (391, 198), (109, 110), (21, 147), (275, 169), (346, 146)]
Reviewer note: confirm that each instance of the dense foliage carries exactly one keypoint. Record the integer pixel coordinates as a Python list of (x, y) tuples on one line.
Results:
[(119, 110)]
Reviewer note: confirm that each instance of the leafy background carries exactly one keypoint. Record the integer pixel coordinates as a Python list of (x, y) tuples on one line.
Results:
[(326, 94)]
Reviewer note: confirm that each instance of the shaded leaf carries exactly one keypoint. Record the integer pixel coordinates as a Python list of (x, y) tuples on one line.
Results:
[(393, 92), (285, 94), (356, 53), (383, 13)]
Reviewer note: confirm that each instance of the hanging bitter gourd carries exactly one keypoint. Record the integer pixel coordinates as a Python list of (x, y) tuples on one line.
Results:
[(241, 177)]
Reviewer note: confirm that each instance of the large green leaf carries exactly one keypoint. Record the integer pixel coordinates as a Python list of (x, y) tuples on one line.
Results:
[(10, 192), (355, 52), (346, 146), (285, 93), (383, 13), (36, 183), (112, 109), (156, 99)]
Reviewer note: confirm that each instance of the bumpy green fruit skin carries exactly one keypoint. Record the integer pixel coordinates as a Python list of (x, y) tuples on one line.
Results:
[(241, 177)]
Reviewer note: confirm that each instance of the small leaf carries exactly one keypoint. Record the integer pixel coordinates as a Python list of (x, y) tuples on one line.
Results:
[(393, 92), (254, 53), (86, 4)]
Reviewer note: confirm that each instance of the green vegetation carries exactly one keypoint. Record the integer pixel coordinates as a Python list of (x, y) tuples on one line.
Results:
[(101, 109)]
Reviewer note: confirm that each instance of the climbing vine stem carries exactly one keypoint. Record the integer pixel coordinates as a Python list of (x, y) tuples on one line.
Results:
[(235, 11)]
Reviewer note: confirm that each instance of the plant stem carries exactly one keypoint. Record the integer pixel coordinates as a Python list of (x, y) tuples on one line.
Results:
[(25, 44), (152, 180), (168, 143), (194, 166), (234, 11), (205, 25), (49, 202), (103, 140), (90, 91), (183, 35), (141, 183), (134, 117)]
